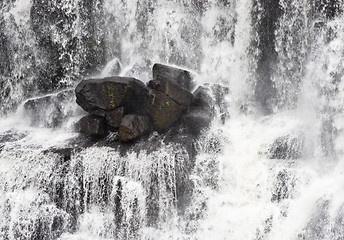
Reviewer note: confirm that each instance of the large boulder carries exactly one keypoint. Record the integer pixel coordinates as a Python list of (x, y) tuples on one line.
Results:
[(97, 95), (92, 125), (181, 77), (133, 126), (173, 90), (163, 110)]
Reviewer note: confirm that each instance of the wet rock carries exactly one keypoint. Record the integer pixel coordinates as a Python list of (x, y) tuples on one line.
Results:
[(197, 120), (92, 125), (154, 84), (133, 126), (173, 90), (202, 99), (163, 110), (50, 110), (181, 77), (287, 147), (114, 118), (212, 99), (96, 95)]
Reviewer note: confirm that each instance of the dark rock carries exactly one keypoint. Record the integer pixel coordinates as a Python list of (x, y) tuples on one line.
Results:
[(163, 110), (181, 77), (96, 95), (174, 91), (59, 57), (153, 84), (197, 120), (202, 99), (133, 126), (50, 110), (114, 118), (212, 98), (92, 125), (287, 147)]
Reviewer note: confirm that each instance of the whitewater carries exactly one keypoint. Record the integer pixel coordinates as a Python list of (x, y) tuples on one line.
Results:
[(283, 62)]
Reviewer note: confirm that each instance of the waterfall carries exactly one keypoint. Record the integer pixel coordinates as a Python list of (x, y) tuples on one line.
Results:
[(270, 166)]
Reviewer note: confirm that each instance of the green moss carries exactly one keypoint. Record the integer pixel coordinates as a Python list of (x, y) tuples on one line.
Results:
[(111, 95)]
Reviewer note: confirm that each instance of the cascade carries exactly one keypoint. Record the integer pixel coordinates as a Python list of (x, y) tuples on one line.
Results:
[(269, 166)]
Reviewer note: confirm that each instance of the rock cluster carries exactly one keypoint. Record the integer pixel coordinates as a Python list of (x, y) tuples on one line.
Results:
[(131, 108)]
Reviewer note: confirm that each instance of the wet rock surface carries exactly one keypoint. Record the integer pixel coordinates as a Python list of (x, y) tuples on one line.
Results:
[(162, 109), (181, 77), (114, 117), (173, 90), (92, 125), (131, 109)]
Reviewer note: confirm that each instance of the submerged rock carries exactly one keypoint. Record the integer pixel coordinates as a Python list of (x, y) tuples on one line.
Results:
[(181, 77), (97, 95), (92, 125), (163, 110), (133, 126)]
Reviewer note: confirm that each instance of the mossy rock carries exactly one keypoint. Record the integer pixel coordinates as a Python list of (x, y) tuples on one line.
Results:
[(96, 95), (163, 110)]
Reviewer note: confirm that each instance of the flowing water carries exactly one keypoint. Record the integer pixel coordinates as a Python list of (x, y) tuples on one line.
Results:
[(283, 62)]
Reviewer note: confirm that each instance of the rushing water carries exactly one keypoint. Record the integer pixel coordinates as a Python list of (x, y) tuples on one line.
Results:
[(283, 62)]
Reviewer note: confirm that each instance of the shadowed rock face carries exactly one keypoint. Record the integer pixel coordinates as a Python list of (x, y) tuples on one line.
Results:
[(133, 126)]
